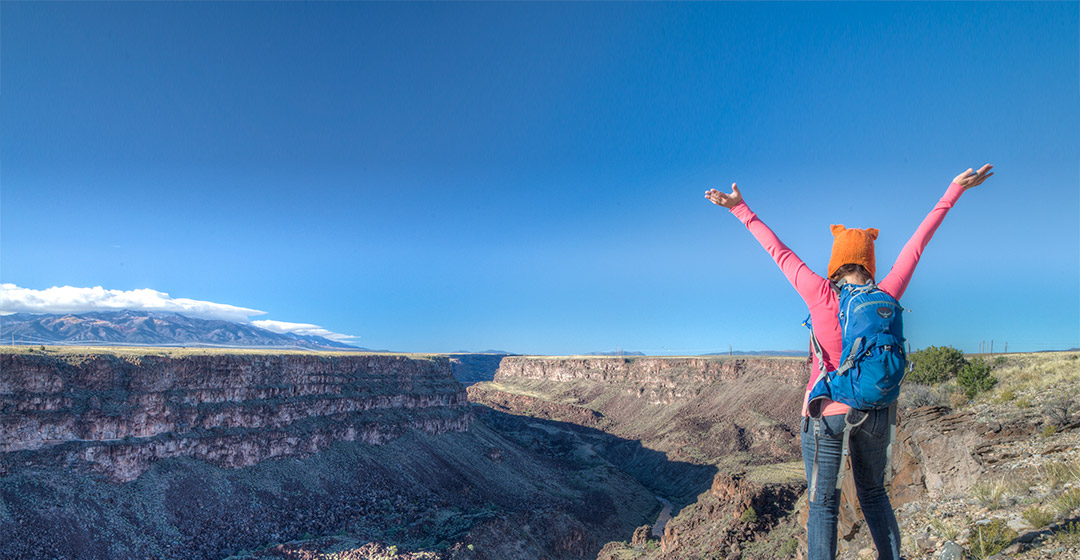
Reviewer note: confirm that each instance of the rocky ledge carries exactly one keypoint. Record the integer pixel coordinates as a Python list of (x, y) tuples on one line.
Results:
[(118, 413)]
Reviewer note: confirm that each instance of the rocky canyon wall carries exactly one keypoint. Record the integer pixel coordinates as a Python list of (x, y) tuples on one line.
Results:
[(117, 413), (700, 408), (661, 372)]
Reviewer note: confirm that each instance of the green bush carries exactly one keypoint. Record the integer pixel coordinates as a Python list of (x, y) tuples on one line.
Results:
[(935, 364), (1038, 517), (749, 516), (991, 538), (975, 378)]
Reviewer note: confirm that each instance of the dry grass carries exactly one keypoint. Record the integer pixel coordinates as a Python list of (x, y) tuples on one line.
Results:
[(1023, 374), (1068, 501), (945, 528), (778, 472), (1059, 473), (992, 494)]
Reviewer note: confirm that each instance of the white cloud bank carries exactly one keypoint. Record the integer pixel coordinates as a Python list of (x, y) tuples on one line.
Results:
[(302, 329), (69, 299)]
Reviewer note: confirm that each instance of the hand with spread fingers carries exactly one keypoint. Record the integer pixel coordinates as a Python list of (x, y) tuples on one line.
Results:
[(970, 178), (724, 199)]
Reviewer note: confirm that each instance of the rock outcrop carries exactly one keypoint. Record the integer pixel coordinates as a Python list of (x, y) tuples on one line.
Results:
[(733, 512), (118, 413)]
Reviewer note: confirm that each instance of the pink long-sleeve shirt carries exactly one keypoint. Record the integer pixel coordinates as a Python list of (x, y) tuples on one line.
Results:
[(819, 295)]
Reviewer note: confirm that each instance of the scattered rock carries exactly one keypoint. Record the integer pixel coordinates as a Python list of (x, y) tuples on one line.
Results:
[(1019, 525), (952, 551), (1029, 537), (926, 542)]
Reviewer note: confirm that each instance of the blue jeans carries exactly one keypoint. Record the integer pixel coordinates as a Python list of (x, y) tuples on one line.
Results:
[(867, 447)]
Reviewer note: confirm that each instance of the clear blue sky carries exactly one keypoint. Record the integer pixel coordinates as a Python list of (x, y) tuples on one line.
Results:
[(530, 177)]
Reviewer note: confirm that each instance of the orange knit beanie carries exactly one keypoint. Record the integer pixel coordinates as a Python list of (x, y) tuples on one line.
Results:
[(852, 246)]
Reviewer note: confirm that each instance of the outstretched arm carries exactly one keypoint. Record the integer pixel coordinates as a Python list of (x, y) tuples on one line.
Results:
[(811, 287), (896, 282)]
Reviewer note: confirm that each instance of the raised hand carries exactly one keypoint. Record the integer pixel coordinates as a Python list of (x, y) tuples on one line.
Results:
[(969, 178), (723, 199)]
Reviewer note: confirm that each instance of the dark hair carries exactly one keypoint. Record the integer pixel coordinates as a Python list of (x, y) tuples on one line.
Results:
[(850, 268)]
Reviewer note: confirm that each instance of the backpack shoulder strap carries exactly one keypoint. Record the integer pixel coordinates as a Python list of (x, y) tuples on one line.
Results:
[(814, 344)]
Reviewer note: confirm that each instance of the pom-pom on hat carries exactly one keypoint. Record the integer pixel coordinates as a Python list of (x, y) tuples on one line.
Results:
[(852, 246)]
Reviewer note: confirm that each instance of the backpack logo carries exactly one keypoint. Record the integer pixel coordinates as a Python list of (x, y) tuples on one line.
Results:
[(885, 312)]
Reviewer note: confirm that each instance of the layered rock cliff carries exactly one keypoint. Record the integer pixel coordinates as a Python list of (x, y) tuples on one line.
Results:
[(668, 376), (199, 455), (700, 410), (118, 413)]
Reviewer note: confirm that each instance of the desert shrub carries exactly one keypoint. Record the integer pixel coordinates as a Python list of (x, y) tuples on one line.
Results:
[(1038, 517), (990, 494), (947, 529), (749, 516), (1023, 403), (914, 395), (975, 378), (991, 538), (1000, 360), (1060, 410), (1068, 501), (1006, 396), (1069, 534), (789, 548), (1048, 430), (935, 364), (958, 398)]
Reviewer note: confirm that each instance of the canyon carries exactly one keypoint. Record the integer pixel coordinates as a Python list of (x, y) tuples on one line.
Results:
[(251, 455), (200, 454)]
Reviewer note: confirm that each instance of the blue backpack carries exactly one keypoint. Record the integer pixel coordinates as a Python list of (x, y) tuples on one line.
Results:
[(872, 366), (872, 362)]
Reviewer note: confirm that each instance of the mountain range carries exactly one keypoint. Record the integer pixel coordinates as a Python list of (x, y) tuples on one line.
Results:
[(144, 328)]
